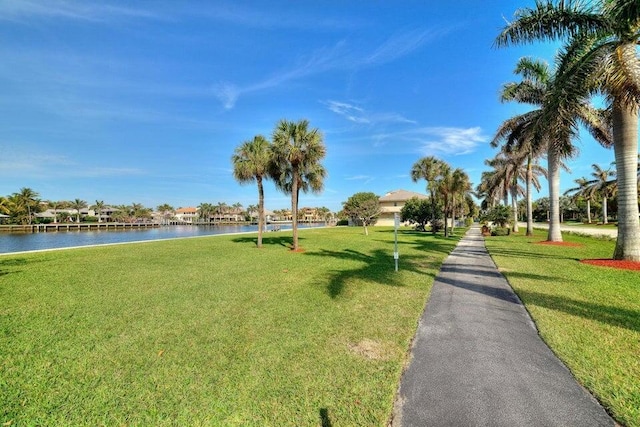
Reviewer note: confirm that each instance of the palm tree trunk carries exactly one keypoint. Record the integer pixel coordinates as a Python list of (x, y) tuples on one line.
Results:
[(553, 166), (589, 211), (529, 199), (260, 210), (514, 207), (605, 215), (294, 208), (625, 139), (453, 214)]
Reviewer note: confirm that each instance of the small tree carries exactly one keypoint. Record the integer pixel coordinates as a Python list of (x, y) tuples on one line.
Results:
[(500, 215), (420, 212), (364, 208)]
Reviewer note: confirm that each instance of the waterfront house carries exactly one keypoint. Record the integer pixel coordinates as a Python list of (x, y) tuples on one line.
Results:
[(392, 203), (188, 214)]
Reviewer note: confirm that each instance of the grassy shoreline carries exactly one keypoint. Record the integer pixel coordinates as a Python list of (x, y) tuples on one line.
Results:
[(213, 331), (589, 316)]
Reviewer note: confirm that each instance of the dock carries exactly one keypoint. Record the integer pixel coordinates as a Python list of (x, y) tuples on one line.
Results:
[(71, 226)]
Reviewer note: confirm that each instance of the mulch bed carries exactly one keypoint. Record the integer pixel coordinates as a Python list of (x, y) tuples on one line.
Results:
[(614, 263), (546, 242)]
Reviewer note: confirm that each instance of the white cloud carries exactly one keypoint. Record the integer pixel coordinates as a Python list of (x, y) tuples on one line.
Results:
[(340, 56), (24, 10), (227, 93), (448, 140), (435, 140), (357, 114)]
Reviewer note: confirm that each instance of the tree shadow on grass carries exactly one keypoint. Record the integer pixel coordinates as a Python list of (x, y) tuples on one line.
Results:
[(378, 267), (615, 316), (514, 253), (12, 262), (325, 421), (282, 240)]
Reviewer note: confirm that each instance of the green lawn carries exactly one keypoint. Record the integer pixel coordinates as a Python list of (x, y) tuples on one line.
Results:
[(213, 331), (589, 316)]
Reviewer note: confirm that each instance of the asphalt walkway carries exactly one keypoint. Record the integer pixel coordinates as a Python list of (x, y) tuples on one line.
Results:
[(477, 359)]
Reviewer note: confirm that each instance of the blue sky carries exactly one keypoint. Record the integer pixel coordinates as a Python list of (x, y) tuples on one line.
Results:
[(145, 101)]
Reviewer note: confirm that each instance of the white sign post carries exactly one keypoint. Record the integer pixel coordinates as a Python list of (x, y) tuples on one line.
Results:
[(396, 223)]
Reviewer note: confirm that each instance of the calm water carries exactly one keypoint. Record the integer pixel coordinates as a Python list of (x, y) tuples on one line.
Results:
[(67, 239)]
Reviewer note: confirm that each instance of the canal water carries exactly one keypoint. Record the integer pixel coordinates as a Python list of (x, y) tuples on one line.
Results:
[(21, 242)]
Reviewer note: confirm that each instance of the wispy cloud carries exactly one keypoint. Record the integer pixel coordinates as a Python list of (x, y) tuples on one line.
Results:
[(365, 178), (21, 161), (358, 114), (448, 140), (340, 56), (399, 45), (435, 140), (24, 10)]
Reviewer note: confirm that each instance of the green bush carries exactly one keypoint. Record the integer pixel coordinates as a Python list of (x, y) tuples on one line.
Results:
[(343, 222), (468, 221), (501, 231)]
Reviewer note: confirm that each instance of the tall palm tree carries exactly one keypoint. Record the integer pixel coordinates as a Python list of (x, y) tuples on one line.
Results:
[(27, 203), (296, 155), (78, 204), (554, 123), (602, 39), (585, 191), (221, 209), (461, 186), (604, 186), (54, 206), (428, 168), (251, 164), (510, 169), (205, 210), (98, 206)]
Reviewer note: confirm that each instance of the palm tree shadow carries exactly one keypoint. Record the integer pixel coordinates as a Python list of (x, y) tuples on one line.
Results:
[(377, 267), (282, 240), (615, 316), (14, 262), (325, 421)]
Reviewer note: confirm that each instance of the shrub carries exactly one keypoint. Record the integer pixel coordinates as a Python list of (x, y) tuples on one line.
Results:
[(468, 221), (437, 225), (501, 231), (343, 222)]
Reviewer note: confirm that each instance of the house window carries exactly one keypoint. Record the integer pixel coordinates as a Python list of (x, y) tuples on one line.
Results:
[(395, 203)]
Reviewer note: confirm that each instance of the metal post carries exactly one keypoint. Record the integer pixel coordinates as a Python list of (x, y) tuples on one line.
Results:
[(396, 255)]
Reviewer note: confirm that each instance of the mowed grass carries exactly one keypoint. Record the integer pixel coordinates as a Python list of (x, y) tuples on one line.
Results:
[(213, 331), (589, 316)]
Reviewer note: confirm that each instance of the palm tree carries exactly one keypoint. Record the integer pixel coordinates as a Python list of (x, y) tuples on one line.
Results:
[(461, 187), (296, 155), (602, 42), (205, 210), (585, 191), (553, 124), (54, 206), (26, 203), (166, 210), (5, 207), (220, 209), (78, 204), (251, 162), (428, 168), (603, 185), (97, 207)]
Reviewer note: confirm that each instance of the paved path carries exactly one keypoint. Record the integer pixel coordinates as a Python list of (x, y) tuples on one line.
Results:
[(477, 359)]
